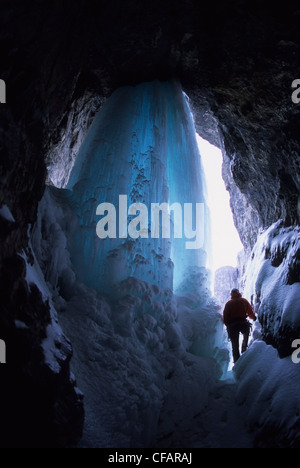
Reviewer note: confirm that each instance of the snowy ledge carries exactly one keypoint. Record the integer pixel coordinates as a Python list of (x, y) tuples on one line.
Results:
[(56, 347)]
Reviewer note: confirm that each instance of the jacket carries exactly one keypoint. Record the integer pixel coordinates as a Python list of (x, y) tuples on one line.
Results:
[(236, 310)]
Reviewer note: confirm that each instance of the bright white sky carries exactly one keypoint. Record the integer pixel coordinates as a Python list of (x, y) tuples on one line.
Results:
[(225, 240)]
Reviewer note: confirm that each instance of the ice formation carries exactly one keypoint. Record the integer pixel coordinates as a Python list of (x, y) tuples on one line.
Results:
[(142, 144)]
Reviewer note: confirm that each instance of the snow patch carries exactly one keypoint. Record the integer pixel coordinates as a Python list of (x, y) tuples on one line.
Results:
[(6, 214), (21, 325)]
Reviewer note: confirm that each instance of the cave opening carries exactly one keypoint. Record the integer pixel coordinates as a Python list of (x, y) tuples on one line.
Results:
[(226, 244)]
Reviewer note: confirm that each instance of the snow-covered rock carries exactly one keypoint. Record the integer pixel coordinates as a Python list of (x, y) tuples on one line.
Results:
[(272, 282), (268, 391)]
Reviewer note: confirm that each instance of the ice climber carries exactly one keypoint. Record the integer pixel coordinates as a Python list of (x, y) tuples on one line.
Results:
[(235, 316)]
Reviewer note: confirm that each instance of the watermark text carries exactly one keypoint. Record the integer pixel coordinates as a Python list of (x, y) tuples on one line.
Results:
[(296, 353), (296, 93), (2, 352), (157, 457), (2, 92), (176, 221)]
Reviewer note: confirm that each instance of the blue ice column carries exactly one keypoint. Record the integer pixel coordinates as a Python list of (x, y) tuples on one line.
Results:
[(141, 144), (186, 182)]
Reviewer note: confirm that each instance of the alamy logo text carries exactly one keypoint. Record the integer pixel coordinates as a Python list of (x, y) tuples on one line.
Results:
[(296, 93), (2, 352), (176, 220), (2, 92)]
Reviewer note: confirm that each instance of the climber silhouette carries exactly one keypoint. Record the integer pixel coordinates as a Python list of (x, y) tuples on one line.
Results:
[(235, 319)]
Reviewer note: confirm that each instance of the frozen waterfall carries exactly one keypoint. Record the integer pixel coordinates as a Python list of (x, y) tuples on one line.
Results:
[(146, 359), (141, 152)]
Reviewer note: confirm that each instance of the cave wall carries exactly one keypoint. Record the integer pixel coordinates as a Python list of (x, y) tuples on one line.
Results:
[(236, 61)]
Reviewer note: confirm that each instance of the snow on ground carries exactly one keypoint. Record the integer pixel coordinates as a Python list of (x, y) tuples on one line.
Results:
[(221, 424), (138, 379)]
